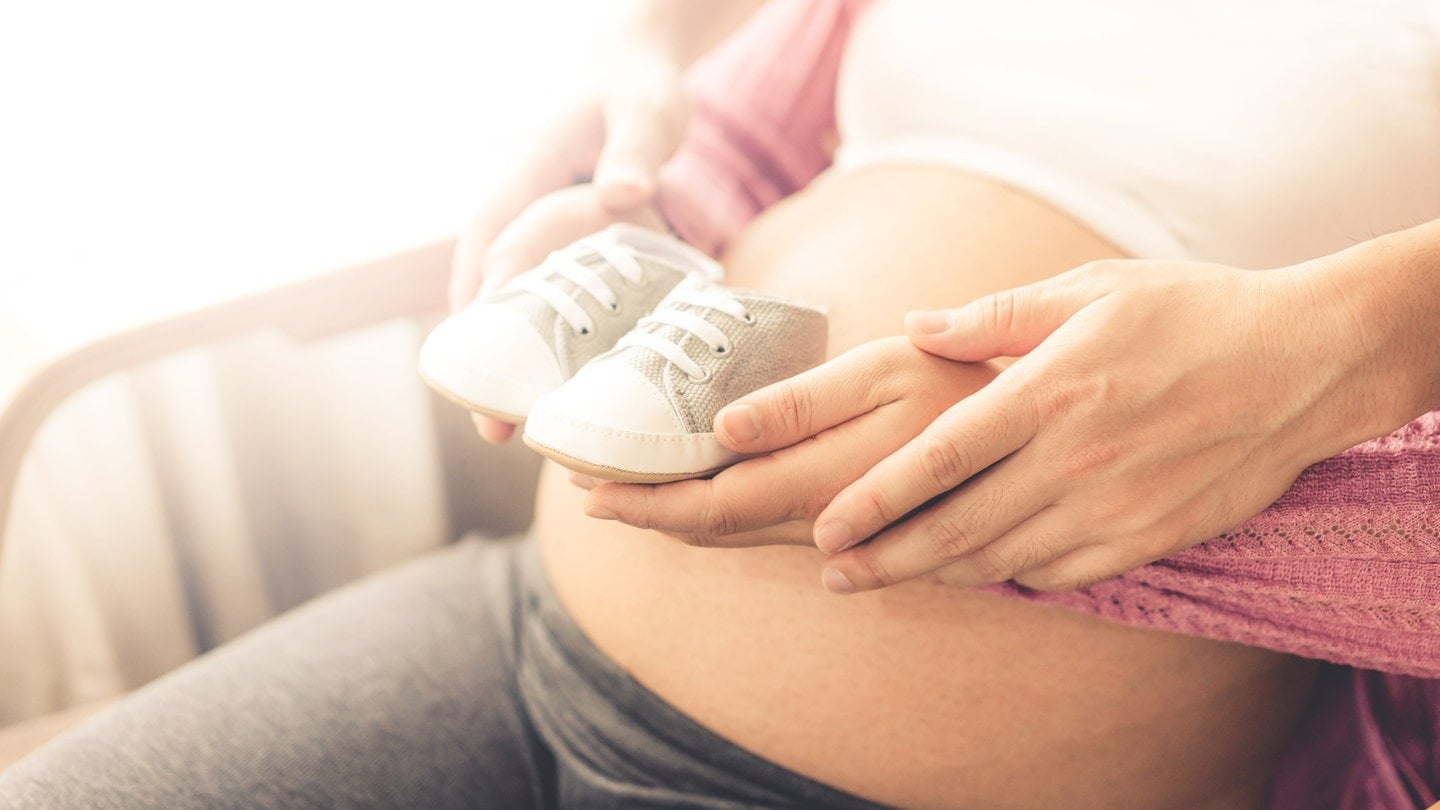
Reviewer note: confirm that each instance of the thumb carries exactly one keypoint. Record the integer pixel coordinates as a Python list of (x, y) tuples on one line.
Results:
[(641, 133), (1009, 323)]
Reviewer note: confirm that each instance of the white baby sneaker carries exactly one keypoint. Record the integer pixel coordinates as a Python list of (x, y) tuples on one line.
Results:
[(507, 348), (644, 411)]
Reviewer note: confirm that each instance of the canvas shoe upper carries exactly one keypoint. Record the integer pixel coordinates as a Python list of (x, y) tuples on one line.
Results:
[(507, 348), (644, 411)]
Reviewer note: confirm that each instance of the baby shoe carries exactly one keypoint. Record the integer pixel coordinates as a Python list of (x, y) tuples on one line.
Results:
[(507, 348), (644, 411)]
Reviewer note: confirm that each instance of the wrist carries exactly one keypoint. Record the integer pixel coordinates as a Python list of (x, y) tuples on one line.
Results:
[(1379, 303)]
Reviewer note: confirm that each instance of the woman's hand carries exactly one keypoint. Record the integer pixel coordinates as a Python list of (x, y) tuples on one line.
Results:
[(1155, 405), (612, 150), (857, 409), (545, 203), (615, 144)]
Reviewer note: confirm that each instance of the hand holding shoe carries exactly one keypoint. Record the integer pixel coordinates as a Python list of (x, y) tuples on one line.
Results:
[(855, 410), (540, 208)]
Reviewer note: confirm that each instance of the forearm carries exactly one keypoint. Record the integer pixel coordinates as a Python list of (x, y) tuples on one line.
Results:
[(1383, 298)]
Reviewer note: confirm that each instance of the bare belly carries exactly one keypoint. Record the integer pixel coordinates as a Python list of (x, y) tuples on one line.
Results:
[(919, 695)]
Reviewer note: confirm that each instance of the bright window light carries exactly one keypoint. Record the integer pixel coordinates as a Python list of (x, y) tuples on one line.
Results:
[(158, 152)]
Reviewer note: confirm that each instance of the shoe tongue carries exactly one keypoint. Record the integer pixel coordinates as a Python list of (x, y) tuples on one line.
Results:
[(663, 247), (685, 289)]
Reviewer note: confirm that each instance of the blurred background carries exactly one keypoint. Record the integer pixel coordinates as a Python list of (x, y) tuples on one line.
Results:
[(160, 157)]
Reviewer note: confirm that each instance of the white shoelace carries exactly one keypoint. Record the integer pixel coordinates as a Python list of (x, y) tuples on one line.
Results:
[(566, 264), (688, 322)]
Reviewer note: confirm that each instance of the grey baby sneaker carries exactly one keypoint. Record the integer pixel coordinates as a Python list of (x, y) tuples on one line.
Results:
[(498, 355), (644, 411)]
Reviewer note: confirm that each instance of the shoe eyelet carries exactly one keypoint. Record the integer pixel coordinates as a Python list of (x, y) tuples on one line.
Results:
[(585, 332), (703, 378), (748, 320), (720, 351), (616, 308)]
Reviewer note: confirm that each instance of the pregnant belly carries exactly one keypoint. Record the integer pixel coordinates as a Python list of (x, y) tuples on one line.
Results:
[(919, 695)]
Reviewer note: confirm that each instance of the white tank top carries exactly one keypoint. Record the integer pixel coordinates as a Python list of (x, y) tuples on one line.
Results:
[(1255, 133)]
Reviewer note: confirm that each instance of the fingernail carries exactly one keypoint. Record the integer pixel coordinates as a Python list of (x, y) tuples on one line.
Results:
[(835, 581), (599, 512), (741, 422), (833, 535), (926, 323)]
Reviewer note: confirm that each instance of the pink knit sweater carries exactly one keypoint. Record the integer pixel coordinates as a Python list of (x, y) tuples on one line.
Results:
[(1344, 568)]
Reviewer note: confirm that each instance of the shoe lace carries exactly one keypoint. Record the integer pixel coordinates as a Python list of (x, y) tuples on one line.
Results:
[(688, 323), (565, 264)]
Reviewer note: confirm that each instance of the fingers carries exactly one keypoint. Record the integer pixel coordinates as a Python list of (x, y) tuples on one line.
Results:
[(642, 131), (1047, 551), (1081, 568), (719, 511), (1054, 550), (1010, 323), (751, 496), (741, 504), (561, 157), (492, 430), (964, 525), (793, 410), (470, 264), (550, 223), (791, 533), (973, 434), (620, 144)]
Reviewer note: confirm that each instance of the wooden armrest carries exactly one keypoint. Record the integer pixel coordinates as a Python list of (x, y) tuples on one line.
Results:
[(407, 284)]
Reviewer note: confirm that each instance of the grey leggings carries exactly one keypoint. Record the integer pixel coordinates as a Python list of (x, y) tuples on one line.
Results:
[(454, 681)]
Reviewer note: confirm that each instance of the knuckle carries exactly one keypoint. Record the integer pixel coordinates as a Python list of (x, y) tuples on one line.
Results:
[(1114, 513), (643, 516), (1084, 461), (1160, 542), (997, 311), (876, 359), (697, 539), (943, 459), (718, 518), (1052, 397), (874, 503), (993, 563), (947, 538), (1051, 579), (791, 408), (1101, 268), (1061, 389), (812, 500), (1072, 573), (871, 563)]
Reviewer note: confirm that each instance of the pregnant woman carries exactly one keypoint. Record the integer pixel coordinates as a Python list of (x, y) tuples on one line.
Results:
[(982, 147)]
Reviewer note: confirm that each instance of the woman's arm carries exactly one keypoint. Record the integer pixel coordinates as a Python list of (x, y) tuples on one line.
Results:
[(619, 134), (752, 142), (1156, 405)]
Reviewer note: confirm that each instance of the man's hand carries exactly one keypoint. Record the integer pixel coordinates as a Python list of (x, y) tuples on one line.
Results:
[(1155, 405), (827, 426)]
